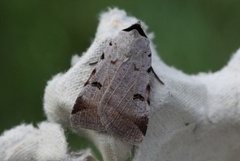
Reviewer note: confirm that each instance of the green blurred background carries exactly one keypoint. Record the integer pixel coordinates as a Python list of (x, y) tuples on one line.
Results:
[(38, 38)]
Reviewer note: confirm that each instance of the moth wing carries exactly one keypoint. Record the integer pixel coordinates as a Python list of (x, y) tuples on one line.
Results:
[(124, 107), (84, 113)]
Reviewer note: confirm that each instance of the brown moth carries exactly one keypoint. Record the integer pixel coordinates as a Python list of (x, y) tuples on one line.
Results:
[(116, 97)]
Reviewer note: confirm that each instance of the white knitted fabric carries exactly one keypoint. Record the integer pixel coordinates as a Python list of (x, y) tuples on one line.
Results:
[(25, 142), (193, 117)]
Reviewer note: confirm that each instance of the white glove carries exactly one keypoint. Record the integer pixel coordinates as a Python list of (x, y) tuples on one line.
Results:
[(45, 143), (193, 117)]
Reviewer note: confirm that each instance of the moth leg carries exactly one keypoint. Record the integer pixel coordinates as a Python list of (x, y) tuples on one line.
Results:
[(121, 127)]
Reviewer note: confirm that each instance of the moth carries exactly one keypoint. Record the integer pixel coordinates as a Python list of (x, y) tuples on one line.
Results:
[(116, 96)]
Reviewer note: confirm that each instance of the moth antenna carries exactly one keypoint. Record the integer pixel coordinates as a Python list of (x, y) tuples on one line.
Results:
[(157, 76)]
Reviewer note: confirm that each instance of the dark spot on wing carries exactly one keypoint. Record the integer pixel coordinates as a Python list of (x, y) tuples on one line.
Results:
[(93, 72), (142, 124), (78, 106), (97, 84), (114, 61), (110, 43), (148, 88), (149, 69), (148, 93), (149, 55), (102, 56), (148, 101), (143, 129), (139, 97), (75, 110), (135, 67)]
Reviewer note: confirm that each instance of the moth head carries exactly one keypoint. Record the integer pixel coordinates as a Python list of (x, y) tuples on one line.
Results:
[(133, 34), (131, 41), (137, 26)]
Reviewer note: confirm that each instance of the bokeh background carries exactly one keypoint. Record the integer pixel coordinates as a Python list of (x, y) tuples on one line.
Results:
[(38, 38)]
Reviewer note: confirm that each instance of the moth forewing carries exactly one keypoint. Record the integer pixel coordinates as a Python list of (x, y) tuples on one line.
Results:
[(84, 113), (116, 97), (124, 107)]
